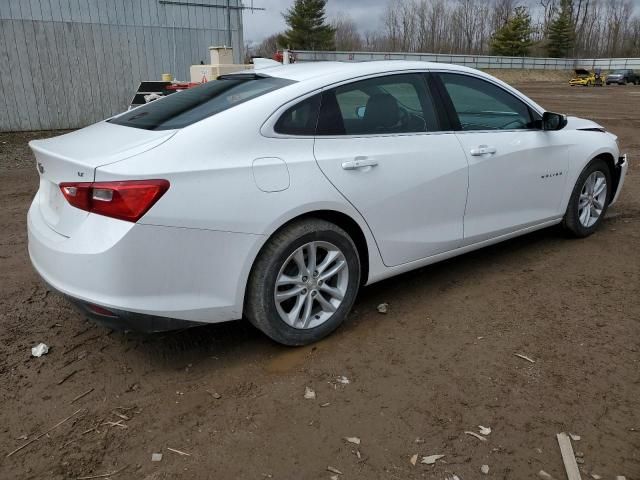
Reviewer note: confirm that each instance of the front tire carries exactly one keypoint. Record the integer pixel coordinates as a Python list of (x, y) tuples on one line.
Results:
[(589, 199), (303, 283)]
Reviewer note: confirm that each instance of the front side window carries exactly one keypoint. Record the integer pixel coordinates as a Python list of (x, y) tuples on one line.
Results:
[(394, 104), (481, 105), (184, 108)]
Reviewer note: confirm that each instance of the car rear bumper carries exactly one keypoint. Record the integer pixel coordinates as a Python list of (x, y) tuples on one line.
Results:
[(120, 320), (145, 275), (619, 175)]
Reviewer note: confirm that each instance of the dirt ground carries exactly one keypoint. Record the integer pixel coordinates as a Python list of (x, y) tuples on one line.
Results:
[(440, 363)]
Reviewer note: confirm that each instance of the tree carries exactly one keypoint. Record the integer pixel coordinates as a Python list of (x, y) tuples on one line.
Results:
[(347, 37), (514, 38), (561, 31), (308, 28), (268, 47)]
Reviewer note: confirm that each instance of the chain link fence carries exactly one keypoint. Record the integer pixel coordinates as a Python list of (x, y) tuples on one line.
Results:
[(475, 61)]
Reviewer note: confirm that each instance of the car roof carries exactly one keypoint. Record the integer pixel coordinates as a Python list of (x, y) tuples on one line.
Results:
[(319, 74), (312, 76), (337, 71)]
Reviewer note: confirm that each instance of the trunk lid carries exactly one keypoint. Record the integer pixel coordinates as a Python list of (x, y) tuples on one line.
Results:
[(74, 157)]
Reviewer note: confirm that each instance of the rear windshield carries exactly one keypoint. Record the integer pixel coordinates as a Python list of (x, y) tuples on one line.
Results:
[(190, 106)]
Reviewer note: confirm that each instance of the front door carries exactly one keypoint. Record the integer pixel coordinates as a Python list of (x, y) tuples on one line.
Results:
[(517, 172)]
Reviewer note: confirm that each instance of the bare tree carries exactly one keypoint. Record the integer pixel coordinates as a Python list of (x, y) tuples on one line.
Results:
[(268, 47), (501, 12), (602, 27), (348, 37)]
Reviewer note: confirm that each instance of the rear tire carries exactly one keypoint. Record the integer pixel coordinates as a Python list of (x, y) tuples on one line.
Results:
[(291, 295), (589, 200)]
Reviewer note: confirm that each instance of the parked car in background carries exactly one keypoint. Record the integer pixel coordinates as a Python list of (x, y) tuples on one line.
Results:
[(275, 195), (586, 78), (623, 76)]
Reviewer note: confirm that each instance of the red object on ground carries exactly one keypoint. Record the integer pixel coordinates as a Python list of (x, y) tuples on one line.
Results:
[(182, 86)]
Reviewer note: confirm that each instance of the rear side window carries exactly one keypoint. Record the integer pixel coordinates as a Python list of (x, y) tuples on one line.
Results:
[(301, 119), (190, 106), (393, 104)]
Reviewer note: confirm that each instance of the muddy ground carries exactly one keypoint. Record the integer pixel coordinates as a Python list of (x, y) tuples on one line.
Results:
[(440, 363)]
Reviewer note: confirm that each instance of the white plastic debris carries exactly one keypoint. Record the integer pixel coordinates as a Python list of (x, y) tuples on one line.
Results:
[(574, 437), (414, 459), (333, 477), (544, 475), (343, 380), (524, 357), (309, 394), (151, 97), (39, 350), (484, 430), (485, 469), (595, 476), (156, 457), (354, 440), (383, 308), (334, 470), (431, 459), (474, 434)]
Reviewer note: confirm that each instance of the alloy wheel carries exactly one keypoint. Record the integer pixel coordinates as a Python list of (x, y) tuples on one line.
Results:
[(592, 199), (311, 285)]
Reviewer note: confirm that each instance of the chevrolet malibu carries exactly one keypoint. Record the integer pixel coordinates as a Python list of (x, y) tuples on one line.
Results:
[(275, 195)]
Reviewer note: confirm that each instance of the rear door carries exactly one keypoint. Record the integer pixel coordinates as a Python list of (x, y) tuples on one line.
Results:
[(380, 142), (517, 172)]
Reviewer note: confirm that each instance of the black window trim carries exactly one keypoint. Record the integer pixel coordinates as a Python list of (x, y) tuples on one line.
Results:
[(268, 127), (453, 116), (118, 119)]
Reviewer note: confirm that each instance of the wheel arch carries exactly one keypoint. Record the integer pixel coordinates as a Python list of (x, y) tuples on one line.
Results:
[(577, 166), (342, 220), (610, 160), (365, 245)]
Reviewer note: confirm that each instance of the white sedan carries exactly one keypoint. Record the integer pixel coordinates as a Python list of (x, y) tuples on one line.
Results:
[(274, 195)]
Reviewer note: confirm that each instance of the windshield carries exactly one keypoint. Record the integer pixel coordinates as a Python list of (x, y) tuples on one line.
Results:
[(190, 106)]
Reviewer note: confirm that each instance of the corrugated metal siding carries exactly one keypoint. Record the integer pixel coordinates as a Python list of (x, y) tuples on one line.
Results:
[(70, 63)]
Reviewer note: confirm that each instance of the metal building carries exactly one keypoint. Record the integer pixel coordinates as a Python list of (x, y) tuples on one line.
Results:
[(69, 63)]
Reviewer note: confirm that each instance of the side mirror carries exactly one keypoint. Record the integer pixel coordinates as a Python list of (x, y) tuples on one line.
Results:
[(553, 121), (360, 111)]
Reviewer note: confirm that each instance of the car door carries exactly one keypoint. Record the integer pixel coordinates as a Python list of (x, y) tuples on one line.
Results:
[(380, 142), (517, 172)]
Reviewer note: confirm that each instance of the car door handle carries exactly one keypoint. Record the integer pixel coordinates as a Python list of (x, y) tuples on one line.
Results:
[(483, 150), (359, 162)]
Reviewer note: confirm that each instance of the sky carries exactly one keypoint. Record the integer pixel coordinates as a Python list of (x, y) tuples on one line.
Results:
[(258, 25), (366, 13)]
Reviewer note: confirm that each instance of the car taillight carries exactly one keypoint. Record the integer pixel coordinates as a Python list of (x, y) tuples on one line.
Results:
[(126, 200)]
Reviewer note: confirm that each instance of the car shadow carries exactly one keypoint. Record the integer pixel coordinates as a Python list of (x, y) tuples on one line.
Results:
[(237, 340)]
